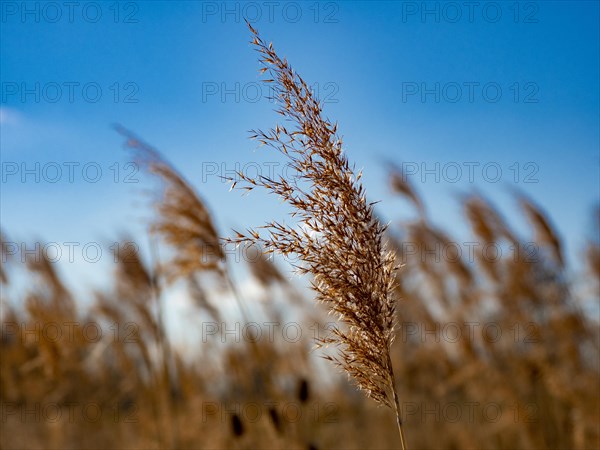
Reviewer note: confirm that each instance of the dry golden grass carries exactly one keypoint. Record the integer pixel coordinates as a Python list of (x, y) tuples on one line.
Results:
[(540, 373), (545, 381)]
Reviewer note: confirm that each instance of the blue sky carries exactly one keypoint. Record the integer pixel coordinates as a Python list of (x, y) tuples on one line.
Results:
[(508, 89)]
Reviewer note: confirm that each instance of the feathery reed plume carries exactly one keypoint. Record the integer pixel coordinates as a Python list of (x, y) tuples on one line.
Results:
[(339, 240), (132, 276), (593, 249), (262, 268), (593, 259), (185, 223), (200, 298), (183, 219), (545, 233), (400, 184), (489, 227), (55, 294)]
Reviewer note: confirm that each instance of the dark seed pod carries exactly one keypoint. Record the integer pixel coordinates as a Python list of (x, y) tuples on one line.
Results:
[(237, 426), (303, 393), (275, 418)]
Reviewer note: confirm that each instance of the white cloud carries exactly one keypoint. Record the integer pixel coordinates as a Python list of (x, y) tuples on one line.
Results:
[(9, 116)]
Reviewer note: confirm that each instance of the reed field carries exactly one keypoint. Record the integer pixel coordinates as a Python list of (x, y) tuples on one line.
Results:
[(400, 342)]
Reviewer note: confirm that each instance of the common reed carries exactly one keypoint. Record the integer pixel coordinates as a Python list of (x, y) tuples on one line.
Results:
[(542, 371), (183, 219), (338, 239)]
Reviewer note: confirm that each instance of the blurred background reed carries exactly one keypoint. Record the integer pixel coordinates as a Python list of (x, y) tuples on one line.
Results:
[(491, 352)]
